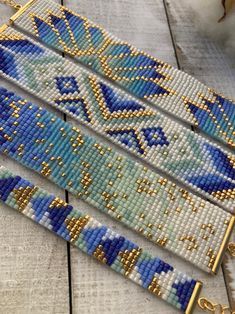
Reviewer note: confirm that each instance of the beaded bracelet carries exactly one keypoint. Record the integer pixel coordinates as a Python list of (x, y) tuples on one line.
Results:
[(140, 74), (99, 241), (163, 143), (166, 214)]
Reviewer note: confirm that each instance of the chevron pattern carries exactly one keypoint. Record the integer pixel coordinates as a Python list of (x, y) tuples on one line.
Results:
[(124, 120), (142, 75)]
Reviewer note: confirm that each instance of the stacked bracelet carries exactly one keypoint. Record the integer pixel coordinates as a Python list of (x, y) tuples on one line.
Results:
[(163, 143), (99, 241), (148, 203), (166, 214), (144, 76)]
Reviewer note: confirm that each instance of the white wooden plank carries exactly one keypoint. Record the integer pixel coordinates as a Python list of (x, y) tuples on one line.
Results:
[(96, 289), (33, 262), (206, 59), (198, 54), (229, 274)]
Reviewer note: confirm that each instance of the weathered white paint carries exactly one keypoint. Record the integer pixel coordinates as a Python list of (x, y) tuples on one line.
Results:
[(33, 262), (96, 290)]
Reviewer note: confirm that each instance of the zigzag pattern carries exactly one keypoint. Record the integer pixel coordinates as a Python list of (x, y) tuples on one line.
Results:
[(137, 72), (125, 190), (97, 240), (160, 141)]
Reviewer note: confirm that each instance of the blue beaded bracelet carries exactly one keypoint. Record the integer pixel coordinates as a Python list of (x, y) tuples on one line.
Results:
[(137, 72), (166, 214), (180, 153), (97, 240)]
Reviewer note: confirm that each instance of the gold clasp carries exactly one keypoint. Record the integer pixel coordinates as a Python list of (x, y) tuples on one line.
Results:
[(12, 4), (215, 308), (231, 249)]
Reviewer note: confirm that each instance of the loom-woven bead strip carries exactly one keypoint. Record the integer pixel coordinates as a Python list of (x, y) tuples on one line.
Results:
[(97, 240), (162, 142), (164, 213), (144, 76)]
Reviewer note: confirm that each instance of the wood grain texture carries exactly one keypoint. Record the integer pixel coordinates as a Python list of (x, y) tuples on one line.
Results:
[(95, 289), (33, 265), (198, 54), (33, 262), (229, 275), (205, 59)]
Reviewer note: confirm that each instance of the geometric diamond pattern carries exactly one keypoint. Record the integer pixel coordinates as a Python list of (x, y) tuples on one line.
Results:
[(155, 136), (141, 74), (67, 85), (114, 184), (121, 118)]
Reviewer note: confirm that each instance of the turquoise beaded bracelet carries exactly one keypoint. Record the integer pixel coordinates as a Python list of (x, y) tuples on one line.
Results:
[(140, 74), (186, 156), (168, 215), (97, 240)]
